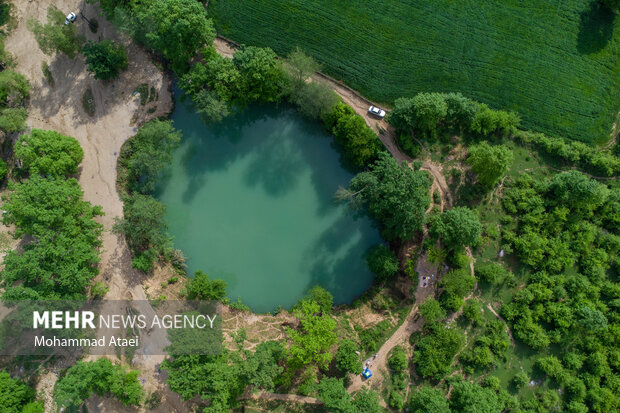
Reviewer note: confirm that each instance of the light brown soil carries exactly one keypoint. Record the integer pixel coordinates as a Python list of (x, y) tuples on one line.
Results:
[(117, 114)]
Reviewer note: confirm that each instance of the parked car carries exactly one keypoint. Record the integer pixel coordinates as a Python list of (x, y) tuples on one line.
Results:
[(70, 18), (373, 110)]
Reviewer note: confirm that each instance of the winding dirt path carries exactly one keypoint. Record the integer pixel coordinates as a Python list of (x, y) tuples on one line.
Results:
[(59, 107)]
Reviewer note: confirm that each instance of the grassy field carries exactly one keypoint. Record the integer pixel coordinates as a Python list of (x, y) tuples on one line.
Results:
[(557, 62)]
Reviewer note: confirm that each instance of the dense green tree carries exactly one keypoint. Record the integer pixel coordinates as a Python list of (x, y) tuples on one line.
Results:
[(456, 284), (398, 360), (299, 67), (457, 227), (260, 74), (347, 357), (39, 206), (577, 191), (14, 88), (175, 28), (14, 394), (429, 110), (55, 36), (473, 310), (315, 336), (490, 272), (468, 397), (360, 143), (394, 194), (429, 400), (49, 153), (333, 393), (100, 377), (201, 287), (319, 295), (431, 310), (489, 162), (519, 380), (106, 60), (148, 153), (422, 113), (489, 121), (315, 100), (612, 4), (366, 401), (4, 169), (461, 110), (13, 119), (210, 107), (382, 262), (435, 351), (145, 229)]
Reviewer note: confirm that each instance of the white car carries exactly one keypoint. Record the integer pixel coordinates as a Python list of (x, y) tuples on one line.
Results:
[(70, 18), (373, 110)]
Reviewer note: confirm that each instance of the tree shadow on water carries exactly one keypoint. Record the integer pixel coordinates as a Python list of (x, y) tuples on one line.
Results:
[(596, 28), (336, 260)]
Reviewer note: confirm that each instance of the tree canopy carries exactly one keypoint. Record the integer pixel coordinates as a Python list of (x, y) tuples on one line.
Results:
[(490, 163), (55, 36), (105, 59), (457, 227), (394, 194), (175, 28), (49, 153)]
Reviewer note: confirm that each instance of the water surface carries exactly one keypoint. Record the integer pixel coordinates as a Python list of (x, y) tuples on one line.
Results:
[(251, 201)]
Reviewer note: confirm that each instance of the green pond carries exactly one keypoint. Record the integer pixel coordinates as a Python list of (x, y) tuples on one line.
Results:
[(250, 201)]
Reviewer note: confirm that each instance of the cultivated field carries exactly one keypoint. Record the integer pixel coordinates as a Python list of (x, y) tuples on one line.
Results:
[(557, 62)]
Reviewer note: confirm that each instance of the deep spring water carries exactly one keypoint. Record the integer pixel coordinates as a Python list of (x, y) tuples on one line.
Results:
[(250, 201)]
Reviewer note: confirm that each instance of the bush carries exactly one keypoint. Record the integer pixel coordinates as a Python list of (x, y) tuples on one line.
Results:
[(49, 153), (105, 59), (382, 262), (490, 272), (398, 360), (397, 401), (361, 144), (99, 377), (347, 360), (99, 290), (202, 288), (519, 380)]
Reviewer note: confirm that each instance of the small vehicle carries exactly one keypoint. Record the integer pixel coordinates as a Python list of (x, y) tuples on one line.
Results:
[(70, 18), (373, 110)]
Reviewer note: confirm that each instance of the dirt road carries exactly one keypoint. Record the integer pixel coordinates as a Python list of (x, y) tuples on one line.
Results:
[(101, 136)]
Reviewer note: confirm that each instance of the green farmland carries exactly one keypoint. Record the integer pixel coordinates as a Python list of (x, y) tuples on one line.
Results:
[(555, 62)]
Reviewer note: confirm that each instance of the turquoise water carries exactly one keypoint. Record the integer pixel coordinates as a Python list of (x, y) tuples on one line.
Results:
[(251, 201)]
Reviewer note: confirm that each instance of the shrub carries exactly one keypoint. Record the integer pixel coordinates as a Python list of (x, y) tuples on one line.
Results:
[(99, 290), (382, 262), (49, 153), (201, 287), (347, 360), (105, 59), (398, 360)]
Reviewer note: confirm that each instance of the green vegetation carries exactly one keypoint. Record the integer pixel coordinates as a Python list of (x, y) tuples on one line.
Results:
[(347, 360), (221, 380), (61, 258), (202, 288), (316, 335), (105, 59), (394, 194), (16, 396), (142, 160), (457, 227), (55, 36), (511, 55), (145, 230), (382, 262), (100, 377), (490, 163), (49, 153), (147, 154), (14, 91)]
